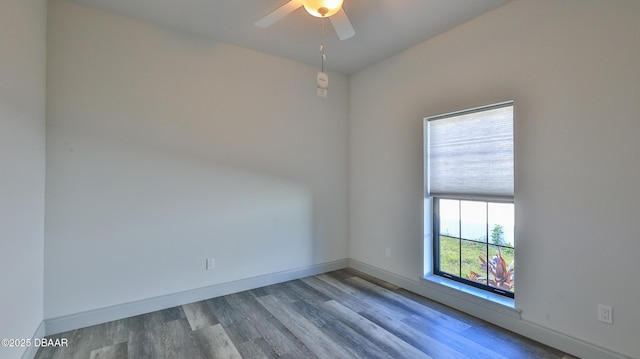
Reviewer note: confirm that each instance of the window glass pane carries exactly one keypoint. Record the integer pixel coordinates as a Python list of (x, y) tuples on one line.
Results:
[(487, 257), (501, 268), (450, 255), (449, 217), (473, 216), (472, 268), (501, 223)]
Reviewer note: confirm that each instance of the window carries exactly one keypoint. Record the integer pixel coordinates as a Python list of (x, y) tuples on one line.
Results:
[(469, 188)]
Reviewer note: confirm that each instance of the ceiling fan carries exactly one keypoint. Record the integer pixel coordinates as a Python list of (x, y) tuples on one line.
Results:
[(331, 9)]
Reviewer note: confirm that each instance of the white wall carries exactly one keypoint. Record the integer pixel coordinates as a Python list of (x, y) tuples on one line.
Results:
[(572, 69), (22, 168), (164, 149)]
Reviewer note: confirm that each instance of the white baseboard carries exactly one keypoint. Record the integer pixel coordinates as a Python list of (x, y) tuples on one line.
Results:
[(563, 342), (32, 350), (80, 320)]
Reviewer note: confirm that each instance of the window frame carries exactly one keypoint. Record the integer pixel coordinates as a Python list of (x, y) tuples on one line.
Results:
[(435, 210)]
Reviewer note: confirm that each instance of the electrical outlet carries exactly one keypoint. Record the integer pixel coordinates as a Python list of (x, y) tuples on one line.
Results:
[(211, 263), (387, 252), (605, 313)]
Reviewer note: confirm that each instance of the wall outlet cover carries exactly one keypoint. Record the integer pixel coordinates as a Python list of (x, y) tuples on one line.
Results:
[(211, 263), (605, 313)]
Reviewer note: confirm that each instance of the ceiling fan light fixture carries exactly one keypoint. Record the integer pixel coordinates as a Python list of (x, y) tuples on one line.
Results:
[(322, 8)]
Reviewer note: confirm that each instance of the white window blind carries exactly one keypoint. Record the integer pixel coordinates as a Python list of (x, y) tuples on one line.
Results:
[(470, 153)]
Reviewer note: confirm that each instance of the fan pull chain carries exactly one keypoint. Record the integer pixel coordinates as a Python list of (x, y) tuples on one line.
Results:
[(324, 57), (322, 78)]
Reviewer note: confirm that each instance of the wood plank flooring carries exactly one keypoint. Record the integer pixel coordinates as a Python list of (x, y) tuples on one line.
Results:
[(342, 314)]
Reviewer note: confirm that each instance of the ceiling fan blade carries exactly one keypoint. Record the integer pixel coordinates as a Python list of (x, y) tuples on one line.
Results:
[(342, 25), (279, 13)]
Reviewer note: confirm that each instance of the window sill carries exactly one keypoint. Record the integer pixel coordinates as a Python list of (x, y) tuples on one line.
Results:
[(473, 295)]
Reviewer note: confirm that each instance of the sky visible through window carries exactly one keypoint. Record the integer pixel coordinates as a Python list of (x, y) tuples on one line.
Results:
[(475, 217)]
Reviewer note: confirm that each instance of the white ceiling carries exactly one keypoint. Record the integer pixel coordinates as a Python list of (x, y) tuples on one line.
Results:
[(383, 27)]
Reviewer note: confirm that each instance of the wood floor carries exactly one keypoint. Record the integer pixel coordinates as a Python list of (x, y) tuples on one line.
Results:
[(342, 314)]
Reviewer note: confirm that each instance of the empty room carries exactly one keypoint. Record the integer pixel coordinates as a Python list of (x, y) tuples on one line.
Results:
[(319, 179)]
